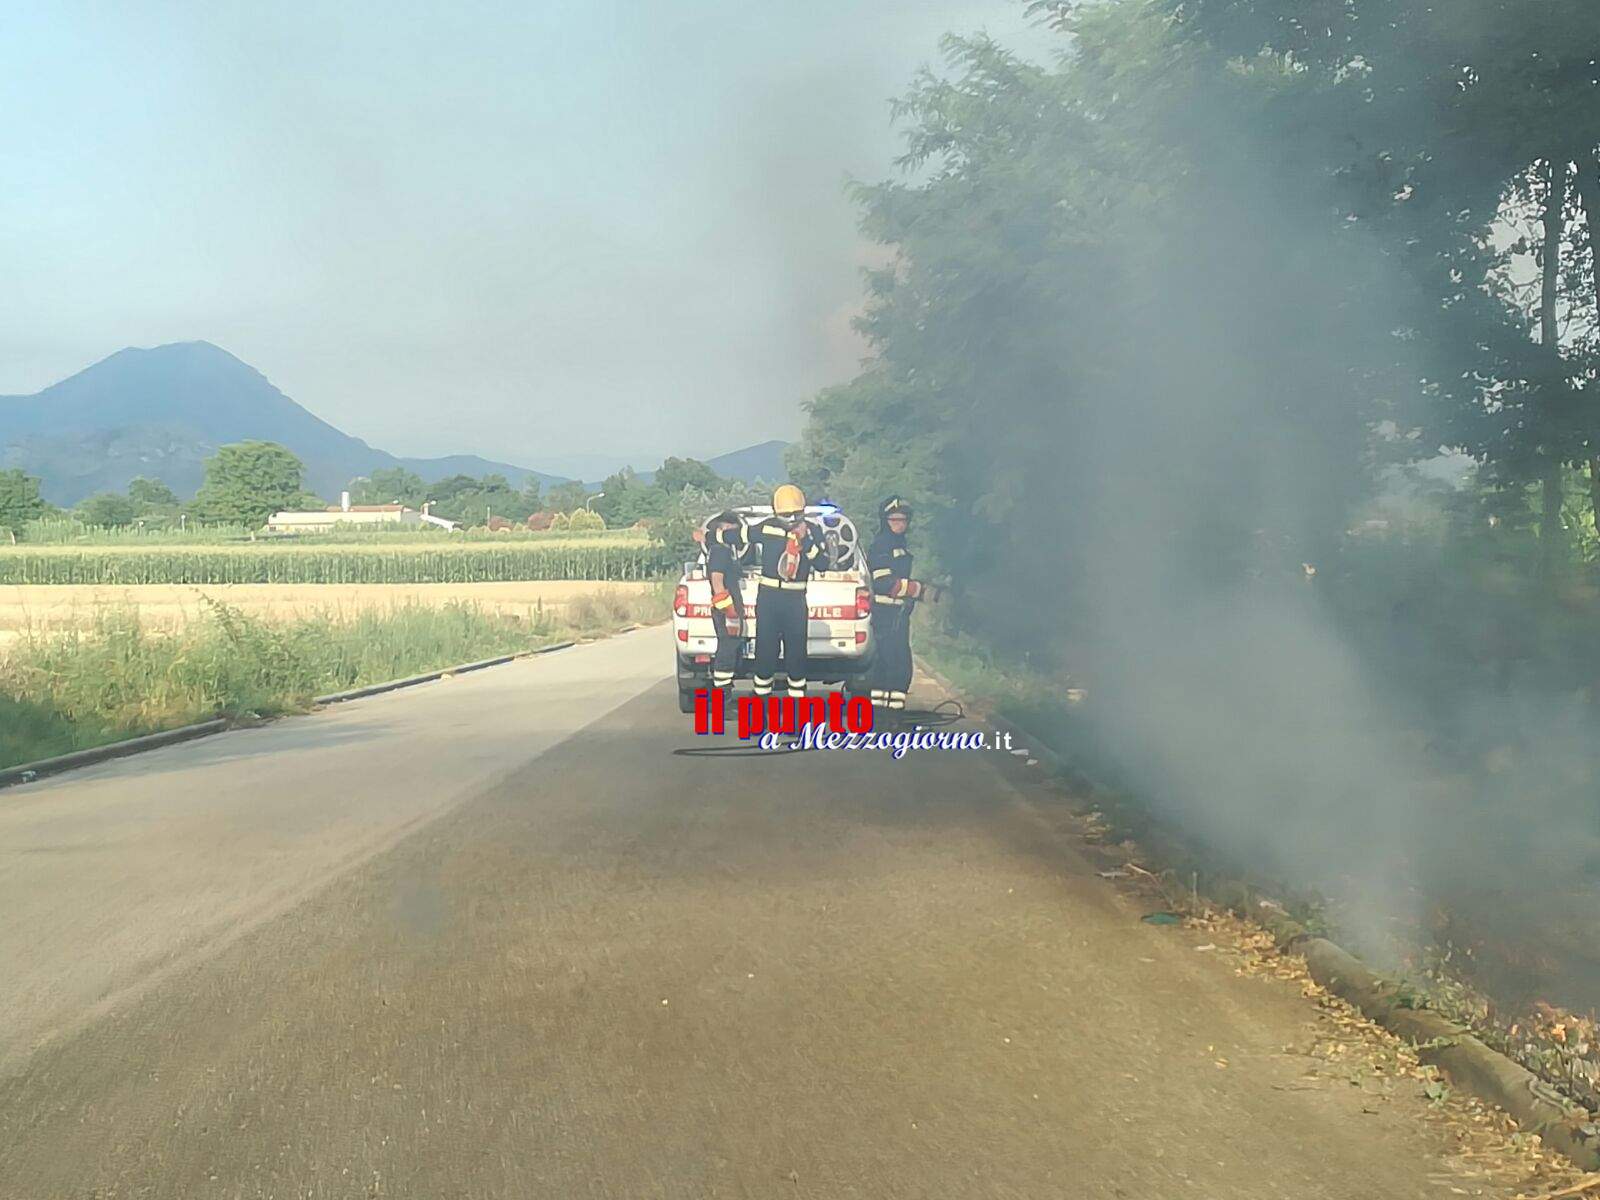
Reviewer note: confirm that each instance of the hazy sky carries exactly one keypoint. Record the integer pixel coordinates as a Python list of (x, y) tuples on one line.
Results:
[(527, 230)]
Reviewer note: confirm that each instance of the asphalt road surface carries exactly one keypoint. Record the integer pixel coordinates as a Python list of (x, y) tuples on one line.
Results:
[(494, 938)]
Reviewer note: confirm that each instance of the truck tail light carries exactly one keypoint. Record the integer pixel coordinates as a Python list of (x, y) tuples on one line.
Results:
[(680, 600), (683, 635), (861, 637), (863, 603)]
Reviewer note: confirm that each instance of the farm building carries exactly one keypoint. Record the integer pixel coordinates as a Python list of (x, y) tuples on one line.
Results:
[(347, 514)]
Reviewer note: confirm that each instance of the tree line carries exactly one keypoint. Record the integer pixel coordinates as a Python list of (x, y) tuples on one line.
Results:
[(246, 483), (1181, 303)]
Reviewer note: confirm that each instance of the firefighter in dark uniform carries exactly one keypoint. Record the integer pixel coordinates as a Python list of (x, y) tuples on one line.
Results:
[(791, 548), (727, 604), (894, 595)]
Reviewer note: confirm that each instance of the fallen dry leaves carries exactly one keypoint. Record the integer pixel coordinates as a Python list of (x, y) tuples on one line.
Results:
[(1484, 1152)]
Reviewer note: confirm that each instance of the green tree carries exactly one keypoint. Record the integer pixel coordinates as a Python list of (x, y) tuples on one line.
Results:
[(1461, 138), (151, 494), (107, 510), (19, 498), (249, 481), (389, 485), (615, 498), (675, 474), (564, 497), (1220, 238), (471, 500)]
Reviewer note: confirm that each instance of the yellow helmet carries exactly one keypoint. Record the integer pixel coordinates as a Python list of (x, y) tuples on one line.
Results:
[(788, 499)]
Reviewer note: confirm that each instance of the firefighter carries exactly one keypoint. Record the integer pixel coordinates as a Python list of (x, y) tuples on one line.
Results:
[(895, 594), (791, 548), (727, 603)]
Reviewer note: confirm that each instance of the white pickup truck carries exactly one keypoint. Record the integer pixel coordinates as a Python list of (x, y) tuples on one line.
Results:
[(838, 597)]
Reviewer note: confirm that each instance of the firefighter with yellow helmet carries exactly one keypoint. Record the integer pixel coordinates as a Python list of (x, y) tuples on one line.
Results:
[(791, 549)]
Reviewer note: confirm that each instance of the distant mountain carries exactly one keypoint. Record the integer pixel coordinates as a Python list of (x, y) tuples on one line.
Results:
[(764, 462), (753, 462), (160, 412)]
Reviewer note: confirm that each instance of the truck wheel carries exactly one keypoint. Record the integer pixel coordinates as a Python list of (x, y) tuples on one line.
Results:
[(685, 700)]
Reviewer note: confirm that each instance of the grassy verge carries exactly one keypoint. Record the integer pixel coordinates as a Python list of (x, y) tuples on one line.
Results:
[(74, 690)]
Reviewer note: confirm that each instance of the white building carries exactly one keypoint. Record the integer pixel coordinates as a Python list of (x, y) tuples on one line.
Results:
[(346, 514)]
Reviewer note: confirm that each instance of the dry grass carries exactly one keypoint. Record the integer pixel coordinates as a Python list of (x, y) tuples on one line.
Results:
[(79, 687), (35, 610)]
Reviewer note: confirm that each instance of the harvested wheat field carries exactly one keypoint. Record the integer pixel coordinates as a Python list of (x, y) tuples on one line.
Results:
[(45, 608)]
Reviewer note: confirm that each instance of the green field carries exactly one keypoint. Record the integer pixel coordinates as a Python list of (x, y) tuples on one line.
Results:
[(603, 559)]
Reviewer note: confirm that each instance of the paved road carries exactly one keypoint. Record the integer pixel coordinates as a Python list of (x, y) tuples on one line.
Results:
[(495, 938)]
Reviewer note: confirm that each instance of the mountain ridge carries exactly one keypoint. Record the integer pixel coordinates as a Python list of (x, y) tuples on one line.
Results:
[(161, 411)]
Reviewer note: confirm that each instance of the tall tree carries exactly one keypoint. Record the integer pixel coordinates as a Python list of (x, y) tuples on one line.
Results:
[(107, 510), (675, 474), (1552, 540), (1166, 291), (19, 498), (247, 482), (389, 485), (148, 494), (1588, 182), (565, 497)]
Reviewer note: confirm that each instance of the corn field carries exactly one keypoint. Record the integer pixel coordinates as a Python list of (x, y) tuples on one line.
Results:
[(66, 531), (461, 563)]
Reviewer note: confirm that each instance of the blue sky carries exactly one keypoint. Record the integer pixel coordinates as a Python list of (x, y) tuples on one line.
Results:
[(532, 231)]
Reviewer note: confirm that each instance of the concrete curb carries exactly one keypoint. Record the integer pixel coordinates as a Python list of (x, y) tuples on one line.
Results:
[(1467, 1062), (28, 772), (31, 771), (394, 685)]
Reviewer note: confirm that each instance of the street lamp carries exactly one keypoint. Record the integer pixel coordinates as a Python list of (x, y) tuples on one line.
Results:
[(591, 500)]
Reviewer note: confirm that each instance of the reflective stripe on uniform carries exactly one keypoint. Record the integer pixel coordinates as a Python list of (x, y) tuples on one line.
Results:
[(888, 600), (899, 552), (882, 571)]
